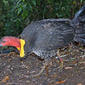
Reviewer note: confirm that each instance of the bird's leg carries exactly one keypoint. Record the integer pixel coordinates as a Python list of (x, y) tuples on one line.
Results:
[(45, 65), (61, 65), (70, 46)]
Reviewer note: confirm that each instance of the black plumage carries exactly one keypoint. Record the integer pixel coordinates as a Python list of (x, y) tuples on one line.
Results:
[(44, 37), (78, 22)]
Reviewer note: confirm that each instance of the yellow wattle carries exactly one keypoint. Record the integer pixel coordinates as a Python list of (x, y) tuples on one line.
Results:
[(22, 42), (18, 48)]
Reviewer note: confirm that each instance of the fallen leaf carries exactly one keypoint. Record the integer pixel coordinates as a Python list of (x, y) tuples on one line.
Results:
[(5, 79), (60, 82), (79, 84), (68, 68)]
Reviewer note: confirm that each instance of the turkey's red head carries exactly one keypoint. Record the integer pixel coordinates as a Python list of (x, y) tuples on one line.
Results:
[(10, 41), (15, 42)]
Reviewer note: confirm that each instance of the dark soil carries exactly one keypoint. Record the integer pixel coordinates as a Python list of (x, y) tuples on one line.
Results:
[(13, 71)]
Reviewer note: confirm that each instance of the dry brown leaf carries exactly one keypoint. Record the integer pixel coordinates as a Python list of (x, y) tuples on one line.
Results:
[(66, 68), (79, 84), (5, 79), (60, 82)]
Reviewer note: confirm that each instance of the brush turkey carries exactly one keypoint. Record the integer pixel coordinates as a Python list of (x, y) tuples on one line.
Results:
[(45, 37)]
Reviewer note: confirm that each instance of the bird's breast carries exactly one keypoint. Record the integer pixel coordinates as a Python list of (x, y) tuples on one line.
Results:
[(45, 53)]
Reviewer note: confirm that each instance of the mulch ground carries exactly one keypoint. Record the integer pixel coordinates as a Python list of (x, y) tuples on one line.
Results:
[(13, 71)]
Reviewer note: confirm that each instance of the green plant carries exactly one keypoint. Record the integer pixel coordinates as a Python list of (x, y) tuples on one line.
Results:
[(16, 14)]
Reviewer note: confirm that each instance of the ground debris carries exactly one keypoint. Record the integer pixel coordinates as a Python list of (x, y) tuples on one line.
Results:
[(79, 84), (60, 82), (5, 79), (15, 72), (67, 68)]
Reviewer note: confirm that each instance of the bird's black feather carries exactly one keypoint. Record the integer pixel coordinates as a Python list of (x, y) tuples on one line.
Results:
[(44, 37)]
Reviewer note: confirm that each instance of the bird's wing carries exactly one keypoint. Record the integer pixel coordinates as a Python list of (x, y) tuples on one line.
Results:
[(54, 35), (48, 34)]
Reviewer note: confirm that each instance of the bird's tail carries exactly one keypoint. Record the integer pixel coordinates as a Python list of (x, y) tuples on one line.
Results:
[(78, 22)]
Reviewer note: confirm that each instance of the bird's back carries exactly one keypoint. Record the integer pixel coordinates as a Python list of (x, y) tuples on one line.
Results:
[(44, 37)]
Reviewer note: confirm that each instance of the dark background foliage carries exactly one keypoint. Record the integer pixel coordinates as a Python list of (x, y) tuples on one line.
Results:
[(16, 14)]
